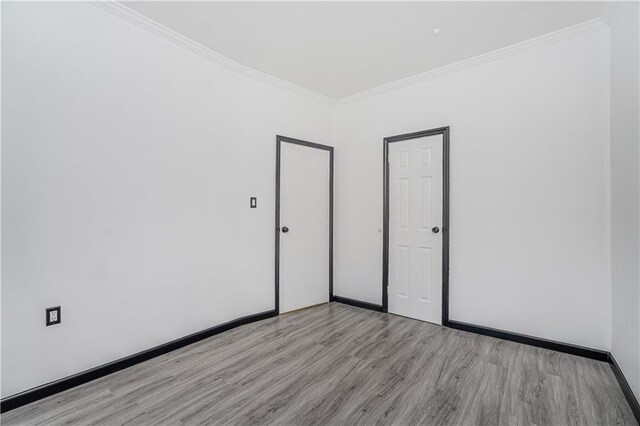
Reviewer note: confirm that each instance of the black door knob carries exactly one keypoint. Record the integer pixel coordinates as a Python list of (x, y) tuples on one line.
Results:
[(285, 229), (435, 229)]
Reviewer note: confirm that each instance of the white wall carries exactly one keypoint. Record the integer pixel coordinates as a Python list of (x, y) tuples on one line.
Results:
[(529, 189), (128, 162), (625, 192), (127, 168)]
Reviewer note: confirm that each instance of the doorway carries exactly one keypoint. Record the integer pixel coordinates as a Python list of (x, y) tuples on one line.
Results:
[(416, 225), (304, 224)]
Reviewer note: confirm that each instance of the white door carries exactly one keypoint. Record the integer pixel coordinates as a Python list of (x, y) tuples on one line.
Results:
[(304, 215), (415, 246)]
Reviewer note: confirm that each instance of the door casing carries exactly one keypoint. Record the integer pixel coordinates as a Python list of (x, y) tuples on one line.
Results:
[(444, 131), (279, 141)]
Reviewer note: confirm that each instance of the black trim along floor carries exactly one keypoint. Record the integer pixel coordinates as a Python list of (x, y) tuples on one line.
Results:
[(189, 343)]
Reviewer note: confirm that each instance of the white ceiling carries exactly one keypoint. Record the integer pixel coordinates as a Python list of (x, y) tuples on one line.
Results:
[(341, 48)]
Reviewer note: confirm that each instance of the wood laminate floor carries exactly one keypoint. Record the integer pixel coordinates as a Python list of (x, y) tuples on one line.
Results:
[(336, 364)]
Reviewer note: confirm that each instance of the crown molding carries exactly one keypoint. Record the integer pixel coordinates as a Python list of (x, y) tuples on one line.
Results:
[(121, 11), (610, 12), (495, 55), (141, 21)]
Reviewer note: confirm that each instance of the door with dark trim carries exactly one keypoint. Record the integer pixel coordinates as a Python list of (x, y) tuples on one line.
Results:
[(416, 227), (304, 224)]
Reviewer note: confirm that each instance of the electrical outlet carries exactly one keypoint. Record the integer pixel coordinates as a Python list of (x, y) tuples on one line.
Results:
[(53, 316), (253, 202)]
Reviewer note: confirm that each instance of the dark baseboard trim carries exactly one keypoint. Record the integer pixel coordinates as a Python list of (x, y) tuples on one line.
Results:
[(57, 386), (596, 354), (66, 383), (582, 351), (626, 388), (358, 303), (533, 341)]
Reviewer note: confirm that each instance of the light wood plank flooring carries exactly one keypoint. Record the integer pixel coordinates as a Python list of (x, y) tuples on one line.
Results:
[(336, 364)]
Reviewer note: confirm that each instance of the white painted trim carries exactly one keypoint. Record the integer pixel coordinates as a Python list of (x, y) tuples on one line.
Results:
[(121, 11), (610, 12), (505, 52), (117, 9)]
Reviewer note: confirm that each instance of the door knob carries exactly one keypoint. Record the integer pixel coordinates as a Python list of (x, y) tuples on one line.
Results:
[(285, 229), (435, 229)]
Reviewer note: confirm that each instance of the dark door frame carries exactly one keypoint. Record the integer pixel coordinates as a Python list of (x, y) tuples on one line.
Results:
[(444, 131), (279, 141)]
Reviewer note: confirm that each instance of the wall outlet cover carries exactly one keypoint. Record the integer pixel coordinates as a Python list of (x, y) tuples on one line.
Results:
[(53, 316)]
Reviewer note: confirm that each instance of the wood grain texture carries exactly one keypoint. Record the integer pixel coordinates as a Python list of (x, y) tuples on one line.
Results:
[(337, 364)]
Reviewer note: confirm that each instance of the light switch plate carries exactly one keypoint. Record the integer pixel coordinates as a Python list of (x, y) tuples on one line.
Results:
[(253, 202)]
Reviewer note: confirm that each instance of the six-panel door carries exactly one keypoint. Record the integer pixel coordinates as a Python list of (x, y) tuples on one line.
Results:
[(415, 228)]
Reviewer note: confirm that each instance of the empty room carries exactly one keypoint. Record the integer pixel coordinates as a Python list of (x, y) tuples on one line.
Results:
[(325, 212)]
